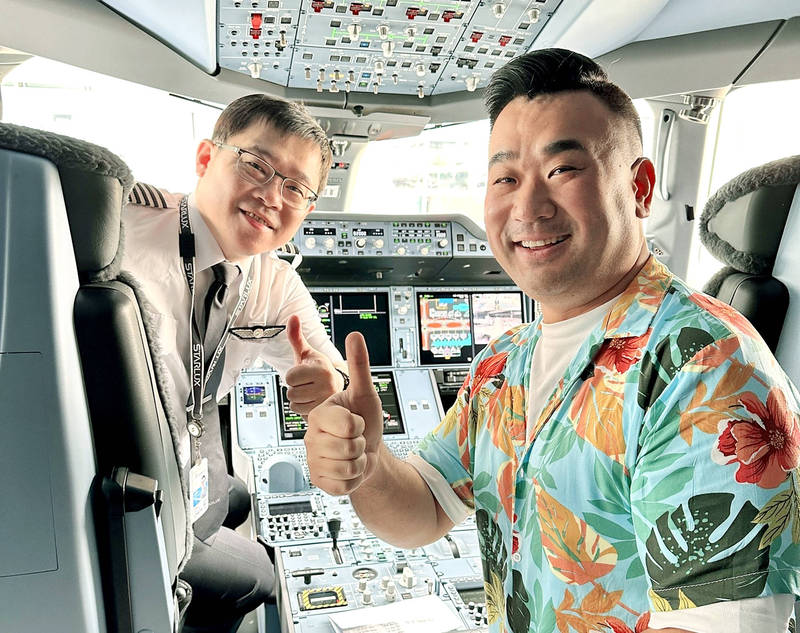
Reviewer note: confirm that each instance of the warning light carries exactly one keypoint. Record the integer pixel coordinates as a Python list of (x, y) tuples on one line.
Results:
[(504, 39), (317, 5), (448, 15), (476, 35), (412, 12), (356, 7), (255, 20), (255, 33)]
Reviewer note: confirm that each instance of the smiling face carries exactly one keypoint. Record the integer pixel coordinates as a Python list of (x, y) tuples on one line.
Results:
[(248, 219), (565, 195)]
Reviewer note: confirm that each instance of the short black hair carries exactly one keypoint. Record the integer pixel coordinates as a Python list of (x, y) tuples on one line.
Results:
[(553, 70), (287, 117)]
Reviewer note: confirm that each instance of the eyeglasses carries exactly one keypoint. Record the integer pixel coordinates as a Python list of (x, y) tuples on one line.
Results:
[(257, 171)]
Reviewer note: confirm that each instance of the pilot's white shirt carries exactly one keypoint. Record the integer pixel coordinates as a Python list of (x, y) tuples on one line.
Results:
[(151, 256)]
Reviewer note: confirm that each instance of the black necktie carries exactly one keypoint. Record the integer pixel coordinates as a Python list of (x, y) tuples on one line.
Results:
[(216, 318)]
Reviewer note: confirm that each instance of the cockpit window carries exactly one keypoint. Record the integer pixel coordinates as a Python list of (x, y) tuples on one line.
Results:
[(443, 170), (154, 132), (758, 124)]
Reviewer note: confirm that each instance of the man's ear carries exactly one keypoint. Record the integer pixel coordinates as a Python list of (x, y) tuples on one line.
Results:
[(644, 181), (310, 209), (203, 156)]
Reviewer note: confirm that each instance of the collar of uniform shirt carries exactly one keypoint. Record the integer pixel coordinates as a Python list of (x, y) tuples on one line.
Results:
[(207, 251)]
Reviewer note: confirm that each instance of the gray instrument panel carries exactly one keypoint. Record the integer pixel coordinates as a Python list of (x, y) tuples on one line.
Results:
[(383, 47)]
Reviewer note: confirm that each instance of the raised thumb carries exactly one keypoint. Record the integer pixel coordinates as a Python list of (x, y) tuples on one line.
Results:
[(362, 397), (294, 332)]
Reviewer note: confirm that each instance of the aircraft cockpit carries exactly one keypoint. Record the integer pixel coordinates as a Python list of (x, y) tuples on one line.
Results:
[(99, 95)]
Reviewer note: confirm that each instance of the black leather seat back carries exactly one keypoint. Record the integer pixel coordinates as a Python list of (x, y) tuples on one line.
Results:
[(742, 226)]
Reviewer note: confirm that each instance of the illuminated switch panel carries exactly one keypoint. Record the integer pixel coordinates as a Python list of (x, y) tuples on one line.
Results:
[(390, 46)]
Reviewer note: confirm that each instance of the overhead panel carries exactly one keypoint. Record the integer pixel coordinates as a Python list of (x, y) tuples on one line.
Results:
[(385, 47)]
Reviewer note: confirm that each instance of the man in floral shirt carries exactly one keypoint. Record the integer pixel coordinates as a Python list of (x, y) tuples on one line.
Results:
[(631, 457)]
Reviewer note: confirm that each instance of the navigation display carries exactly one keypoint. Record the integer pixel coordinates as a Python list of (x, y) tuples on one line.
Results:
[(454, 326), (293, 426), (365, 312)]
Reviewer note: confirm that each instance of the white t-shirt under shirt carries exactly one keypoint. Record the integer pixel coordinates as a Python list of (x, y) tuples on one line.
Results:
[(151, 255), (554, 352), (552, 355)]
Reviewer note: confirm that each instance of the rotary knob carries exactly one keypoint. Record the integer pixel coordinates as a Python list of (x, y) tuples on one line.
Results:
[(402, 310), (408, 580), (311, 242), (366, 597), (424, 250), (401, 250), (329, 243), (442, 243), (361, 242), (379, 243)]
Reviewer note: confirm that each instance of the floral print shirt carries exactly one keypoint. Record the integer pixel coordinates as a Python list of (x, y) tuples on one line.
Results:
[(661, 474)]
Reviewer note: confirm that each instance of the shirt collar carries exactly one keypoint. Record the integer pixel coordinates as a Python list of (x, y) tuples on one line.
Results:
[(207, 251), (634, 310)]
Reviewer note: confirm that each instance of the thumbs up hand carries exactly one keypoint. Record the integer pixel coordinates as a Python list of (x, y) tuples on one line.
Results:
[(313, 378), (345, 432)]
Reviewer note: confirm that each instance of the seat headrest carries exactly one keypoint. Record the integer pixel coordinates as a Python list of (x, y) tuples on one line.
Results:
[(95, 183), (742, 224)]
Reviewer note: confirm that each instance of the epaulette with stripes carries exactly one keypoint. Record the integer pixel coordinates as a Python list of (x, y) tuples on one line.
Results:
[(290, 248), (147, 196)]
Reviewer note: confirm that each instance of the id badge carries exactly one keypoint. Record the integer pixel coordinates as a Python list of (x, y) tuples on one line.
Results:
[(198, 485)]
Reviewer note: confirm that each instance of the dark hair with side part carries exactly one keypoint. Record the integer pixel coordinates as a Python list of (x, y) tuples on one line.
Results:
[(553, 70), (288, 117)]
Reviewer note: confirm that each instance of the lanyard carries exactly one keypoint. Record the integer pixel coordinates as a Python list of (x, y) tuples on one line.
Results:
[(199, 375)]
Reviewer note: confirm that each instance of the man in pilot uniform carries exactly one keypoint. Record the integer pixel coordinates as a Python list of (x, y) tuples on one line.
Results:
[(220, 299)]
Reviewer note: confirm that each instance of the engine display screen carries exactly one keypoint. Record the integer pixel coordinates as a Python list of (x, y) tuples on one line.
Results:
[(445, 328), (454, 326)]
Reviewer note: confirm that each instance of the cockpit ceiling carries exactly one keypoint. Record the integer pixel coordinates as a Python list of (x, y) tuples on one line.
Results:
[(380, 46)]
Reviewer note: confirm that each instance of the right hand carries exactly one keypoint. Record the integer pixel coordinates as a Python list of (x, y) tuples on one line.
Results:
[(345, 432), (313, 378)]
